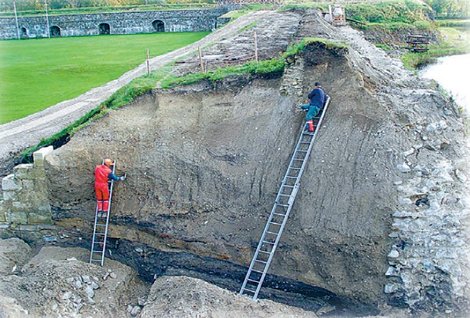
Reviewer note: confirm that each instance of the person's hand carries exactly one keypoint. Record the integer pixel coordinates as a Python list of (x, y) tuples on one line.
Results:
[(123, 178)]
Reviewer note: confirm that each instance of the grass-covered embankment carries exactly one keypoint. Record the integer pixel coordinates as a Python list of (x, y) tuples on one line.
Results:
[(36, 74), (391, 15), (145, 84)]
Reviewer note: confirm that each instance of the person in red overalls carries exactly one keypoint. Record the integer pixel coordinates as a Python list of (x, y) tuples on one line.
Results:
[(103, 174)]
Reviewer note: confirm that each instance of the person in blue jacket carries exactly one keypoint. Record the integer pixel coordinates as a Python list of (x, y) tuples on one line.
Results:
[(316, 100)]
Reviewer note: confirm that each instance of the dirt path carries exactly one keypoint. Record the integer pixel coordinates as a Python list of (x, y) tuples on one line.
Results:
[(20, 134)]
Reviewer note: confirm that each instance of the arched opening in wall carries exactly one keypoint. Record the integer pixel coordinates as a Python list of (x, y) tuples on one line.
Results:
[(159, 26), (104, 28), (55, 31), (24, 32)]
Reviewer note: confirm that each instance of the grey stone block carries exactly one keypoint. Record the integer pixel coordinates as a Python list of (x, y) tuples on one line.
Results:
[(23, 171), (29, 228), (27, 184), (9, 195), (9, 183), (18, 217), (3, 217), (18, 206), (44, 208), (36, 218), (40, 155)]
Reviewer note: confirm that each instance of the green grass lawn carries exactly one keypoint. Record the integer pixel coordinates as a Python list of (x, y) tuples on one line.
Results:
[(36, 74)]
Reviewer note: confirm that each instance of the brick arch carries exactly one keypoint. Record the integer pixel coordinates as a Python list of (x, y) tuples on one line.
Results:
[(104, 28), (54, 31), (24, 32), (158, 25)]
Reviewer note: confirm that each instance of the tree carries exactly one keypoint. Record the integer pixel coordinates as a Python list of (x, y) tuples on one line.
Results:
[(450, 8)]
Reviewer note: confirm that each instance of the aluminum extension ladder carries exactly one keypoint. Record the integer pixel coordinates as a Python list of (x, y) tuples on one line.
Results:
[(100, 230), (280, 212)]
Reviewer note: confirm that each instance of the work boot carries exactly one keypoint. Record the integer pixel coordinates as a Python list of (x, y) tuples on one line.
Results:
[(311, 127)]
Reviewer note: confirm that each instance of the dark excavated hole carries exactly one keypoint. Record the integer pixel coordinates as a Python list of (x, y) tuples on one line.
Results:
[(423, 201), (57, 143), (150, 263)]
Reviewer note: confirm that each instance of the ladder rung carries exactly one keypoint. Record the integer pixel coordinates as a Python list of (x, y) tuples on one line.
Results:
[(291, 177), (301, 151), (250, 290), (299, 159), (254, 270), (306, 143), (279, 214), (264, 252), (100, 252), (251, 280), (284, 205), (284, 195), (100, 224), (96, 260), (272, 233), (287, 186), (263, 262), (295, 168), (272, 243)]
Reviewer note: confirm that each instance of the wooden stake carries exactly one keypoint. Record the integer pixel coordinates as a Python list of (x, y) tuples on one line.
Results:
[(201, 63), (148, 62), (256, 46)]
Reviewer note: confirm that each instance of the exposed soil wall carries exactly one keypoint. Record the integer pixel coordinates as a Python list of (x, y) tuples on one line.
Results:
[(204, 164)]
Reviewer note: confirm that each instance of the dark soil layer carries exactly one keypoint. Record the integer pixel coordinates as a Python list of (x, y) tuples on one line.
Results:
[(225, 274)]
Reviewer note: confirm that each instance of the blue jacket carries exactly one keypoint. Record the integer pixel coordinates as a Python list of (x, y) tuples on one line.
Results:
[(317, 97)]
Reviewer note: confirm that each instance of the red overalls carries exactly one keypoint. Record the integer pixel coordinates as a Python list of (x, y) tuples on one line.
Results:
[(101, 187)]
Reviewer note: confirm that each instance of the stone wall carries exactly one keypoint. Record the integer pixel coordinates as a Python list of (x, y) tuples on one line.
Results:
[(25, 196), (429, 258), (112, 23)]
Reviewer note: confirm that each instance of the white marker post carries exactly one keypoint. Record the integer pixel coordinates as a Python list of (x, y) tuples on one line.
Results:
[(200, 59), (47, 21), (16, 20)]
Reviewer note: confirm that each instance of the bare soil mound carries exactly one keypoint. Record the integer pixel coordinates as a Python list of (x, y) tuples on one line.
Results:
[(57, 282), (13, 254), (175, 297)]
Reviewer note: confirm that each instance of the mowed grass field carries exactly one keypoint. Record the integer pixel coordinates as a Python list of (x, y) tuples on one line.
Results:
[(38, 73)]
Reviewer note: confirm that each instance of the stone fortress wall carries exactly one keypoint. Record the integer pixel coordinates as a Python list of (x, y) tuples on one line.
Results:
[(111, 23), (24, 198)]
